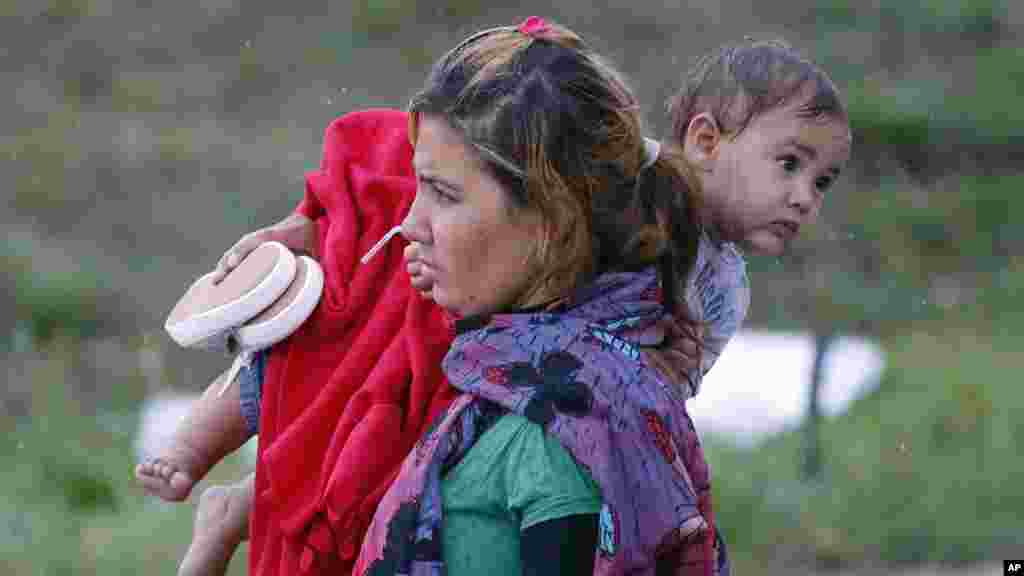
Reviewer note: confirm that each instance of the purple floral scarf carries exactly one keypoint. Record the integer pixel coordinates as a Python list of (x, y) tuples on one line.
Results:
[(576, 369)]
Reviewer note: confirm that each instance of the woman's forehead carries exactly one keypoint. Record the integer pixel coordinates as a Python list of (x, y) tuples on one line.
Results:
[(438, 146)]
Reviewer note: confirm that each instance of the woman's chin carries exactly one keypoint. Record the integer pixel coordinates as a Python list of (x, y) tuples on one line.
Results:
[(460, 308), (442, 300), (451, 305)]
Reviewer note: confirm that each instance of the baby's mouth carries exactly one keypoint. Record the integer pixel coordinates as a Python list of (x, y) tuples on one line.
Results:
[(786, 228)]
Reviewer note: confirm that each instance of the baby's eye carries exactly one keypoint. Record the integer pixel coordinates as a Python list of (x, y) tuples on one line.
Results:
[(789, 163), (824, 183)]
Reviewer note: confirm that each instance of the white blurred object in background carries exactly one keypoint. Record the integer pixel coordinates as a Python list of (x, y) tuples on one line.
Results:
[(760, 386), (163, 409), (160, 415)]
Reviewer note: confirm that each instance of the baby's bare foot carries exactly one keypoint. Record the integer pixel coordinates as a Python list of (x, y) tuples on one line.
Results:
[(220, 526), (171, 476)]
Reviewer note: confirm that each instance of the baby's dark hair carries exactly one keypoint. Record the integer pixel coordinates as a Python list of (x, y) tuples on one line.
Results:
[(739, 81)]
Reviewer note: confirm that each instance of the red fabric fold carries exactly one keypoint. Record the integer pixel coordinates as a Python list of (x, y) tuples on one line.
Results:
[(348, 394)]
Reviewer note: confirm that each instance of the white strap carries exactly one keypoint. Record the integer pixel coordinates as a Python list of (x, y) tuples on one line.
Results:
[(243, 360), (380, 244)]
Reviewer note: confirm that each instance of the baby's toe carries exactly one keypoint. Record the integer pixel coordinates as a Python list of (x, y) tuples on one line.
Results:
[(147, 468), (167, 470)]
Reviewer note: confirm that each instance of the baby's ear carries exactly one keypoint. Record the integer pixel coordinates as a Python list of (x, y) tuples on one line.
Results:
[(700, 143)]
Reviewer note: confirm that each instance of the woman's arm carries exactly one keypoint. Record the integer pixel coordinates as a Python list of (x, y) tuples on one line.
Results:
[(563, 546)]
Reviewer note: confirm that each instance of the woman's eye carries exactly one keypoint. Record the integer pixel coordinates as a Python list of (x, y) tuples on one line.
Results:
[(439, 192), (443, 195), (789, 163)]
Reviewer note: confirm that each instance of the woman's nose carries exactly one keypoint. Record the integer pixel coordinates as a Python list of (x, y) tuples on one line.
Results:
[(415, 227)]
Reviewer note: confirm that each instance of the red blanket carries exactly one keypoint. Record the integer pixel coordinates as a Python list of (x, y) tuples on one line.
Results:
[(347, 396)]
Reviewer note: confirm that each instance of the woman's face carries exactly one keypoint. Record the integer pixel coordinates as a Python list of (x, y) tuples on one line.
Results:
[(476, 248)]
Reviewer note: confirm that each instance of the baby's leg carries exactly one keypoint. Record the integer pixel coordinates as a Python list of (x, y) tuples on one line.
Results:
[(222, 523), (213, 429)]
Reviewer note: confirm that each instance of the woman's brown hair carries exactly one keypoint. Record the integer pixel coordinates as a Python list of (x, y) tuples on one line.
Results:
[(560, 129)]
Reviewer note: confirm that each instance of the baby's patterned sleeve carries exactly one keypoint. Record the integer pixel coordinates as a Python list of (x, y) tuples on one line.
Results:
[(719, 296)]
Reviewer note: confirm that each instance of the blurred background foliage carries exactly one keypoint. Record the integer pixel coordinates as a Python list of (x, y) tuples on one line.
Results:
[(141, 139)]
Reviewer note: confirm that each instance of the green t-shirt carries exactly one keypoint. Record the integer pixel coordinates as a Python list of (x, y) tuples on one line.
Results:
[(515, 476)]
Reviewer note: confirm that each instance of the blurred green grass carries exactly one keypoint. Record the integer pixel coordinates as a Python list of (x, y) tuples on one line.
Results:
[(925, 469), (69, 503), (968, 95), (923, 112), (52, 291)]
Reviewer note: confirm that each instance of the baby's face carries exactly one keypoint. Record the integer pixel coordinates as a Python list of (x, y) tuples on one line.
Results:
[(771, 180)]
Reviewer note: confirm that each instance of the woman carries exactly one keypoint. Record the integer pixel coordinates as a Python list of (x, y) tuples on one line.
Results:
[(561, 241)]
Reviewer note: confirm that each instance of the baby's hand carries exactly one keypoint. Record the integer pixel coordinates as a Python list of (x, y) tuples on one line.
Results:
[(419, 275), (239, 251), (296, 232)]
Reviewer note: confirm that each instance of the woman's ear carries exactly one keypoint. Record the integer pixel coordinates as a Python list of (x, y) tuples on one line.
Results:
[(700, 143), (414, 124)]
